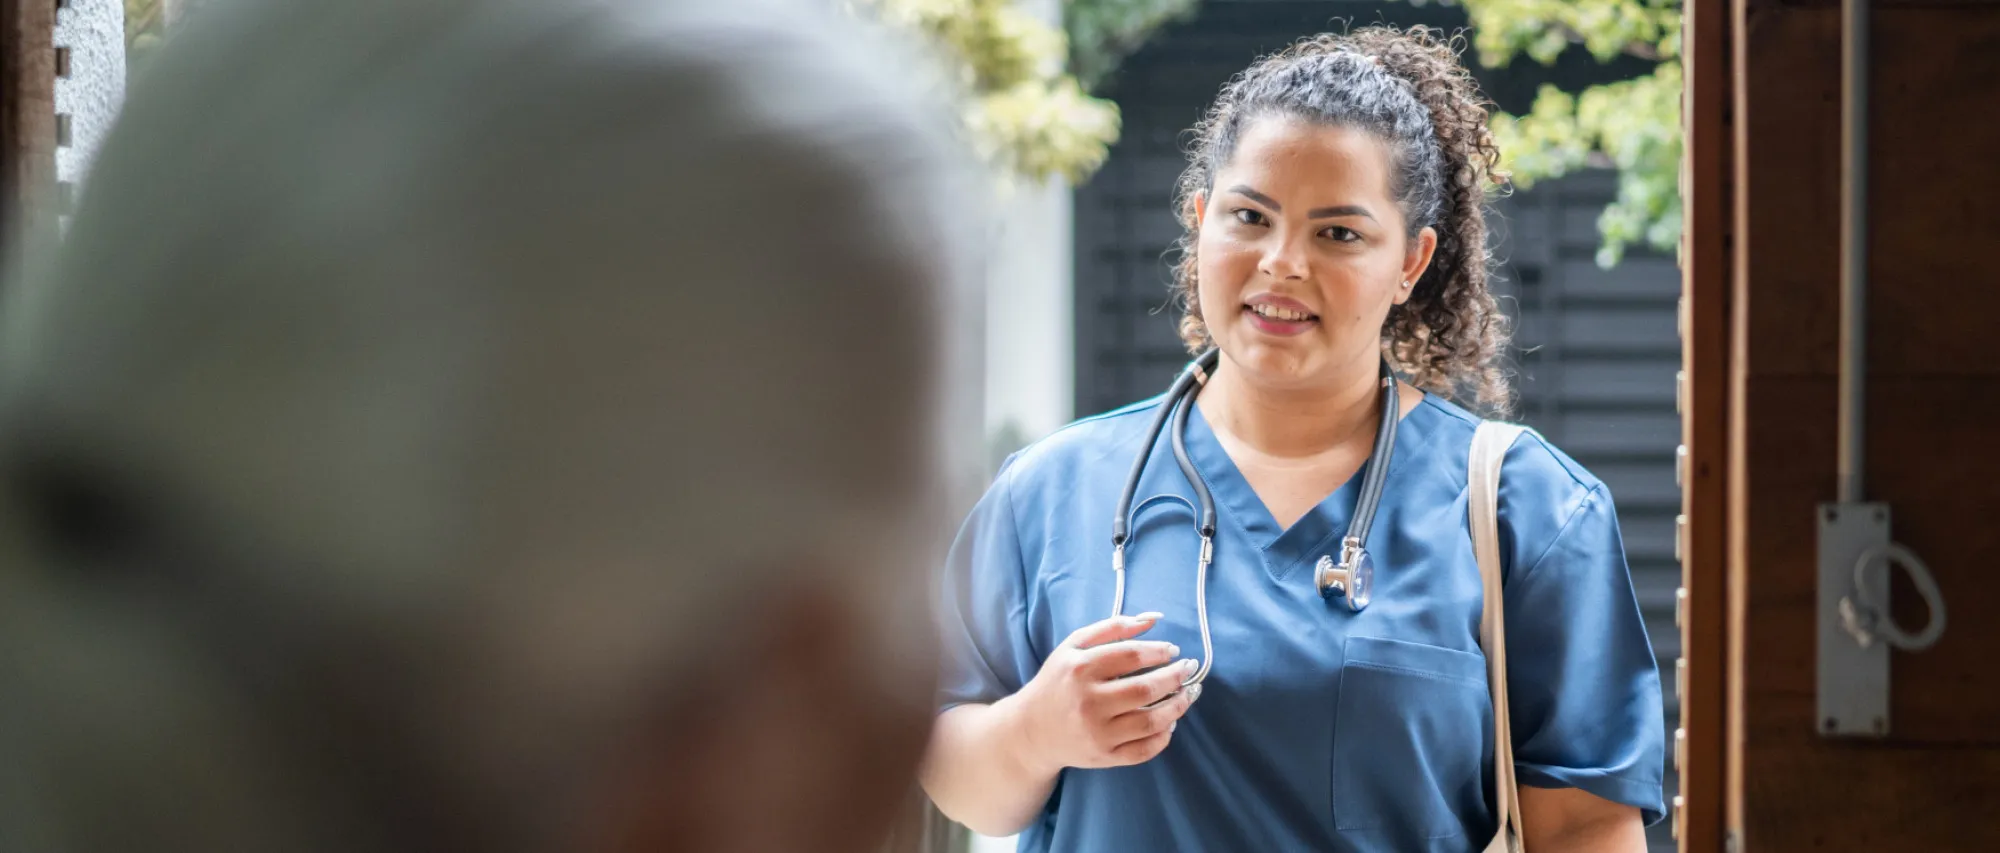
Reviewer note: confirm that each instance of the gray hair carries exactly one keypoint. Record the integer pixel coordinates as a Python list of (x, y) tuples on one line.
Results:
[(443, 375)]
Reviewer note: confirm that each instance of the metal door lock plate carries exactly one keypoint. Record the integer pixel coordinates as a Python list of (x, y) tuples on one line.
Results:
[(1853, 674)]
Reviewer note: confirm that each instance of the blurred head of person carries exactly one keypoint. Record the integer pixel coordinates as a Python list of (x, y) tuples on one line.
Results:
[(484, 425)]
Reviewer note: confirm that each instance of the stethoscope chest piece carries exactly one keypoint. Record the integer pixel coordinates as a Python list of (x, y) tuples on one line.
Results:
[(1351, 579)]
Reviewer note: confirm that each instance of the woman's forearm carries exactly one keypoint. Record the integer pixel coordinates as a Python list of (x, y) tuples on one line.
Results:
[(1611, 835), (978, 772), (1561, 820)]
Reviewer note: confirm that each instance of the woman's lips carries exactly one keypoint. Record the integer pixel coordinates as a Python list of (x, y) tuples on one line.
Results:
[(1275, 326)]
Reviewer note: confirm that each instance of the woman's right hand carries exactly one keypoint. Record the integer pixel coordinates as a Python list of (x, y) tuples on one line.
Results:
[(1087, 708)]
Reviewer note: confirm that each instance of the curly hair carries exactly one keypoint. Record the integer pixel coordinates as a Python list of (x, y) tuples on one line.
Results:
[(1409, 89)]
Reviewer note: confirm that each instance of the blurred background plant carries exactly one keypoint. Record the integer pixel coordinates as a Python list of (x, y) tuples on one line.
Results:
[(146, 23), (1023, 111), (1631, 125)]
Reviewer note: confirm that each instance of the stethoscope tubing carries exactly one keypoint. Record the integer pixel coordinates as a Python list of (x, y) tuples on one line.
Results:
[(1178, 402)]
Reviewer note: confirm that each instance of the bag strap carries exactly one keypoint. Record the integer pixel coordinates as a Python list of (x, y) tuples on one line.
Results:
[(1489, 448)]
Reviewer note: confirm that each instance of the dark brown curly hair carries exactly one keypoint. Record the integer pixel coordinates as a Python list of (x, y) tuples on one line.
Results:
[(1409, 89)]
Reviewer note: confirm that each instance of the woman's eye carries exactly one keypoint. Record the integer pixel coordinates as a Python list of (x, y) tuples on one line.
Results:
[(1248, 217), (1339, 234)]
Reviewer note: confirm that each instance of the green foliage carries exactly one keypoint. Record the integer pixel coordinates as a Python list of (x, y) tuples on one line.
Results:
[(144, 21), (1542, 29), (1022, 111), (1633, 125), (1103, 32)]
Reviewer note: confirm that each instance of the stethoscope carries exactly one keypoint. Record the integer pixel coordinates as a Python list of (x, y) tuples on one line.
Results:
[(1350, 579)]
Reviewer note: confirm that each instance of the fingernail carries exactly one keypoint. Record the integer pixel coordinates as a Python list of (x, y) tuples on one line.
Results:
[(1194, 692), (1190, 665), (1173, 651), (1150, 616)]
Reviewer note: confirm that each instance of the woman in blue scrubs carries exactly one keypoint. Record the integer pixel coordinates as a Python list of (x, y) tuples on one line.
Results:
[(1333, 206)]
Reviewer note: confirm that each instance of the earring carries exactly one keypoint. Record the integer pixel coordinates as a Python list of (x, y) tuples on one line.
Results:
[(1406, 285)]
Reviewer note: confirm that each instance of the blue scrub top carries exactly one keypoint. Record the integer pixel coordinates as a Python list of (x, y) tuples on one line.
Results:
[(1319, 728)]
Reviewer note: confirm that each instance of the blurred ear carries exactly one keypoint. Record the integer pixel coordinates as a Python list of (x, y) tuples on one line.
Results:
[(783, 740), (1422, 249), (1200, 208)]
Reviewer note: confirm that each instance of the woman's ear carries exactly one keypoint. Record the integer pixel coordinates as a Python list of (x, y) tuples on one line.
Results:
[(1200, 208), (1416, 262)]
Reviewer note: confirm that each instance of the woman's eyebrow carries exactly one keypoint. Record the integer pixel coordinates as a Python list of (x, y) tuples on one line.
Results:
[(1339, 211), (1259, 198), (1334, 212)]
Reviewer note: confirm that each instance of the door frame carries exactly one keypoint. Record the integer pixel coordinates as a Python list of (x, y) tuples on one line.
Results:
[(1706, 601)]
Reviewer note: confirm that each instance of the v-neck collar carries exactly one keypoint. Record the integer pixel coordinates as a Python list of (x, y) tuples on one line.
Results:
[(1286, 550)]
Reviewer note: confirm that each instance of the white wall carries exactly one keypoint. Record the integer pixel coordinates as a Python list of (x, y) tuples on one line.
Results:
[(94, 33), (1030, 343)]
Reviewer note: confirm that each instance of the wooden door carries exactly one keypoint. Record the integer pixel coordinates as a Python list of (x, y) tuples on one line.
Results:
[(1933, 417), (27, 115)]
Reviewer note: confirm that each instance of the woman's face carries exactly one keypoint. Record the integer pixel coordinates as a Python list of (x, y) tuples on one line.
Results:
[(1302, 251)]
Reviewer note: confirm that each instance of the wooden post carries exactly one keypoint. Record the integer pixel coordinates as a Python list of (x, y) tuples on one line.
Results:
[(27, 118), (1702, 395)]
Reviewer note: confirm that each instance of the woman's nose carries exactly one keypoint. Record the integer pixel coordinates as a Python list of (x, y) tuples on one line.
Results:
[(1284, 258)]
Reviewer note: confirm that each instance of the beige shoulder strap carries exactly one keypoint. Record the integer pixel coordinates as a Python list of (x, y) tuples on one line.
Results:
[(1489, 448)]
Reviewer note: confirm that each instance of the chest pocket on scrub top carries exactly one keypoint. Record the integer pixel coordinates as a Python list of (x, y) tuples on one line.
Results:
[(1408, 740)]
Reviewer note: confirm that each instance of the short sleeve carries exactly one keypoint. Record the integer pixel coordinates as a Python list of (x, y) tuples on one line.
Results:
[(983, 612), (1583, 686)]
